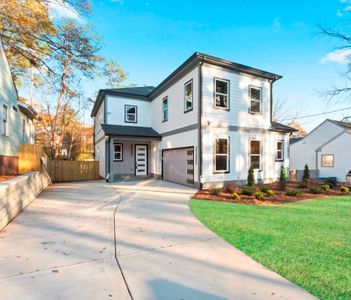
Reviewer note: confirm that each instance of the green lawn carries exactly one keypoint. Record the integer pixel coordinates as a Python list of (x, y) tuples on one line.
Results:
[(307, 242)]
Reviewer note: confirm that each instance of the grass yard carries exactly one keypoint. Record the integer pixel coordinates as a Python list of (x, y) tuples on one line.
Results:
[(307, 242)]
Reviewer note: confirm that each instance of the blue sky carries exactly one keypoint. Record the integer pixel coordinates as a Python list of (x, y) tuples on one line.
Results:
[(150, 38)]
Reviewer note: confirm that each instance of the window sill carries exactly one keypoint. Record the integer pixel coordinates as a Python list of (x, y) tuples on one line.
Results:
[(189, 110), (279, 160), (221, 172), (222, 108)]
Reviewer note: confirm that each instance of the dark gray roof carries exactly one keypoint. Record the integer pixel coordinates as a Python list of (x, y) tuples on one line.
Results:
[(133, 131), (281, 127), (342, 124), (149, 93), (28, 110), (295, 139)]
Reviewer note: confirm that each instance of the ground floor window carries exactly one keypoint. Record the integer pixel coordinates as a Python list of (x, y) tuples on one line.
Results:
[(255, 154), (221, 160), (279, 156), (327, 160), (118, 152)]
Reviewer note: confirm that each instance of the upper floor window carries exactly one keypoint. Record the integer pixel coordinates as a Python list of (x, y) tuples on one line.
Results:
[(221, 93), (165, 109), (188, 96), (279, 156), (327, 160), (118, 152), (130, 114), (5, 114), (255, 94), (221, 160), (255, 154)]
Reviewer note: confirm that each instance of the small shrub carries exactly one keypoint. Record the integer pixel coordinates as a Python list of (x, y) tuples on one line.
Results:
[(259, 195), (231, 187), (264, 188), (344, 189), (316, 190), (248, 190), (251, 177), (331, 181), (270, 193), (306, 173), (326, 187), (282, 178), (236, 196), (303, 185), (216, 191), (292, 193)]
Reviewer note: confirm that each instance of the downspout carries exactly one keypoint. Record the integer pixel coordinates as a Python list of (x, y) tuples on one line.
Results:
[(200, 124)]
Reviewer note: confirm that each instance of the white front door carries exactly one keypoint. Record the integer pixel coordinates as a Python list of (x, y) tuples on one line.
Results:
[(140, 160)]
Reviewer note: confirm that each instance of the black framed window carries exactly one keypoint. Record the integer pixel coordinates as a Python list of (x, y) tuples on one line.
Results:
[(188, 96), (327, 160), (165, 109), (117, 152), (130, 113), (221, 160), (221, 93), (255, 154), (279, 155), (255, 94)]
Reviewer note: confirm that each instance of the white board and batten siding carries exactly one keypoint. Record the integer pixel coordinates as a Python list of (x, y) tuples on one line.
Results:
[(341, 149), (100, 155), (304, 151)]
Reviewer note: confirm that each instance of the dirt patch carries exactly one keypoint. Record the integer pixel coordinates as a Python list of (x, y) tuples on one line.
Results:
[(280, 197)]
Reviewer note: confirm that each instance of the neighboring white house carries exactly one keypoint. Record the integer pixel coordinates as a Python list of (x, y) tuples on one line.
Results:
[(326, 150), (16, 120), (206, 123)]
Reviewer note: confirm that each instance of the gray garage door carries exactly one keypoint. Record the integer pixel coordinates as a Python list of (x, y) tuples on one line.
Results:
[(178, 165)]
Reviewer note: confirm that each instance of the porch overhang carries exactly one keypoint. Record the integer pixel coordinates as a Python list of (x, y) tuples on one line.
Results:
[(130, 131)]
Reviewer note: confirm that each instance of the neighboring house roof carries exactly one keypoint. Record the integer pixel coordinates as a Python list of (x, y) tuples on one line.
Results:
[(295, 139), (281, 127), (191, 62), (342, 124), (134, 131), (28, 110)]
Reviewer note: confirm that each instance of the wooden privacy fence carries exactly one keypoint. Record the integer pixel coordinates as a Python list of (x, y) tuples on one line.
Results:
[(29, 158), (70, 170)]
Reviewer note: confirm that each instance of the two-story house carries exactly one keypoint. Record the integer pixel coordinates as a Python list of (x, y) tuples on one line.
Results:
[(204, 125), (16, 120)]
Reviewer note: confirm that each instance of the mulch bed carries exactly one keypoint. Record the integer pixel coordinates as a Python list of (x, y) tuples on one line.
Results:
[(280, 197), (6, 177)]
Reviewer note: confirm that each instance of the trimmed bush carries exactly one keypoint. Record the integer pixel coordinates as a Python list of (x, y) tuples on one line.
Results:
[(236, 196), (292, 193), (251, 177), (326, 187), (303, 185), (331, 181), (264, 188), (259, 195), (316, 190), (282, 178), (270, 193), (231, 187), (344, 189), (306, 173), (216, 191), (248, 190)]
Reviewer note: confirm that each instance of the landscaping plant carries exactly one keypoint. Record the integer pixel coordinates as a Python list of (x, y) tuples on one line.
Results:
[(231, 187), (216, 191), (236, 197), (306, 174), (282, 178), (292, 193), (248, 190), (303, 185), (264, 188), (251, 177), (270, 193), (344, 189), (259, 195), (326, 187), (315, 190)]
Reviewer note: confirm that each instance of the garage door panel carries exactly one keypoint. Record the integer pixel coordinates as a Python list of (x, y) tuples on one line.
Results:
[(178, 165)]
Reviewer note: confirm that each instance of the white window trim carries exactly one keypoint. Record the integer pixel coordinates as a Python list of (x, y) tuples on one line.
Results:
[(282, 150), (259, 155), (221, 94), (251, 99), (323, 166), (165, 109), (126, 114), (190, 82), (114, 151), (227, 170)]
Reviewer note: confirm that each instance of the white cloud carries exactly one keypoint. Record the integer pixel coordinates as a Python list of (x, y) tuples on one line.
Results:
[(338, 56), (59, 9)]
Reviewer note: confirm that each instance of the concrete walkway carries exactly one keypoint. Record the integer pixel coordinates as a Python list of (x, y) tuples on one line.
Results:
[(62, 246), (166, 253)]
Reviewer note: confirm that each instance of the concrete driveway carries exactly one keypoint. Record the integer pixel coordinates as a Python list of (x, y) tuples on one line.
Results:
[(166, 253), (62, 246)]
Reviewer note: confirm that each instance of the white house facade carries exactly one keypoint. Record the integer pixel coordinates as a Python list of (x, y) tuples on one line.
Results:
[(326, 150), (204, 125)]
